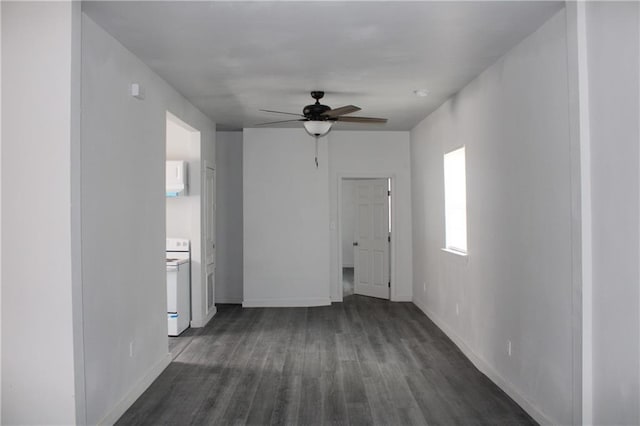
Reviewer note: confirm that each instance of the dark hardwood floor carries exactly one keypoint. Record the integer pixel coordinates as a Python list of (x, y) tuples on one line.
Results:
[(364, 361), (178, 343), (347, 281)]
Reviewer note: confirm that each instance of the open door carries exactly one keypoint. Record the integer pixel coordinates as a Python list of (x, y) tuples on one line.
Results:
[(371, 245), (210, 234)]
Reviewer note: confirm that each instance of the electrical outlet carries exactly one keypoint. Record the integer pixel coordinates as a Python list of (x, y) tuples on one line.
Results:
[(509, 347), (131, 349), (457, 309)]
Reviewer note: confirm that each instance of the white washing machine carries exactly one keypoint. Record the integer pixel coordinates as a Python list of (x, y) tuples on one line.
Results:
[(178, 285)]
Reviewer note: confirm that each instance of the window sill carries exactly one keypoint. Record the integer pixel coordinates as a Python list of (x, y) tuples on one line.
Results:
[(455, 252)]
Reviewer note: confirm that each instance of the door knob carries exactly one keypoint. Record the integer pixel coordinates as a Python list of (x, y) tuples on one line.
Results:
[(355, 243)]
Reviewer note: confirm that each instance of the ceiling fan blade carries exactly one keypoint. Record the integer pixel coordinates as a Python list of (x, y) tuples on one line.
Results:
[(361, 120), (281, 121), (347, 109), (281, 112)]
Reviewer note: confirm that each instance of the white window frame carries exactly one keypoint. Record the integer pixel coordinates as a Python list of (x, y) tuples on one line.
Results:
[(455, 201)]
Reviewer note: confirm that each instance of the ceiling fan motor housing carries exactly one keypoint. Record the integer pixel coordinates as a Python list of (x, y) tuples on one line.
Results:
[(314, 112)]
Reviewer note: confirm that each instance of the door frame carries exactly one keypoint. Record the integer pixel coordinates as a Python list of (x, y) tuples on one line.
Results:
[(209, 311), (392, 245)]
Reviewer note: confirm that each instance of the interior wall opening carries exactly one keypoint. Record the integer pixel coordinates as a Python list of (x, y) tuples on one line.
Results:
[(365, 237), (182, 229)]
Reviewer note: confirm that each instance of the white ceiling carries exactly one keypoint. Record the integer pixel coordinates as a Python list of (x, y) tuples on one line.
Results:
[(232, 59)]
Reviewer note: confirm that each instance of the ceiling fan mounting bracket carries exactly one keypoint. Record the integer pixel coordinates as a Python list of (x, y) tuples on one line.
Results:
[(317, 95)]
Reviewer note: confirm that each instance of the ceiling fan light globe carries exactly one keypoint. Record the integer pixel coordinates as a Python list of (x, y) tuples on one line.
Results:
[(317, 128)]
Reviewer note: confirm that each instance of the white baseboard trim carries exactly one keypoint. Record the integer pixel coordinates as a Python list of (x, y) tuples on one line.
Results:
[(394, 299), (286, 303), (402, 299), (231, 300), (199, 324), (138, 389), (485, 368), (212, 313)]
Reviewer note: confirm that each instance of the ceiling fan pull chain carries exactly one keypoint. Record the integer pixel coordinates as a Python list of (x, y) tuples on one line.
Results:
[(316, 152)]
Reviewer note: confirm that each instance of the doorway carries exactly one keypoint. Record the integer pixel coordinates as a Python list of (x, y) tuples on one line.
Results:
[(183, 230), (365, 237)]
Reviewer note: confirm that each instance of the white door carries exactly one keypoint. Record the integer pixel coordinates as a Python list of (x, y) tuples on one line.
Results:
[(210, 233), (371, 254)]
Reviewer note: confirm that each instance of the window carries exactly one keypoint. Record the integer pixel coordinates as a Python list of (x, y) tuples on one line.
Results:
[(455, 201)]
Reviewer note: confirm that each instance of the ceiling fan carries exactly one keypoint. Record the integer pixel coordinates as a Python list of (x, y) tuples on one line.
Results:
[(319, 118)]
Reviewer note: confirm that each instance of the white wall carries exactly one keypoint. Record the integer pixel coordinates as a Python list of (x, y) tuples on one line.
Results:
[(229, 217), (292, 252), (374, 154), (0, 215), (123, 221), (516, 282), (181, 147), (613, 52), (40, 366), (286, 219), (348, 222)]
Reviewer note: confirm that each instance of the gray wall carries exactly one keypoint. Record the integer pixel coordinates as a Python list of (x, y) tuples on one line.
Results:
[(292, 253), (229, 217), (515, 283), (123, 221), (41, 341), (374, 154), (348, 221), (286, 219), (0, 217), (613, 49)]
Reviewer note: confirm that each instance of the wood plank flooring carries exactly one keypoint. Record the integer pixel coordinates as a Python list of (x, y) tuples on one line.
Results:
[(347, 281), (362, 362)]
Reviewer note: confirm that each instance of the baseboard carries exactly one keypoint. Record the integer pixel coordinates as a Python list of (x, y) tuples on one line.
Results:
[(135, 392), (485, 368), (402, 299), (394, 299), (212, 313), (199, 324), (286, 303), (230, 301)]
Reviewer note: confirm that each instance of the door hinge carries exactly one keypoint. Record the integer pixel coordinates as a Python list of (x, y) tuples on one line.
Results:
[(389, 193), (389, 284), (389, 238)]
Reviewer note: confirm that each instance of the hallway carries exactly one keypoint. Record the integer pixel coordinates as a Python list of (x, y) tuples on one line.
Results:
[(364, 361)]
